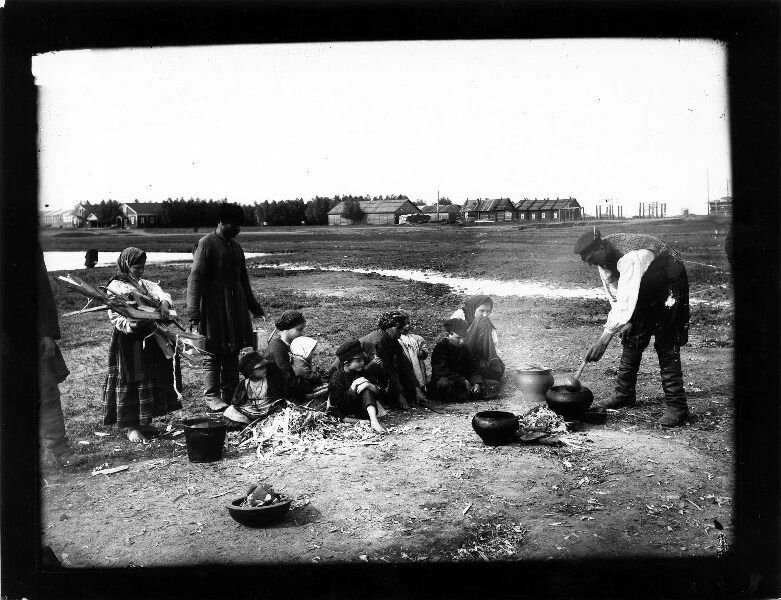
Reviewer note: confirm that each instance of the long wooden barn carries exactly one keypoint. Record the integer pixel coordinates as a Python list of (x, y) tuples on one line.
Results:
[(376, 212), (547, 209), (485, 209)]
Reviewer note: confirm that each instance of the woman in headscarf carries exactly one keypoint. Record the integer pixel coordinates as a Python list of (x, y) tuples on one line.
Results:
[(143, 369), (482, 340), (289, 326)]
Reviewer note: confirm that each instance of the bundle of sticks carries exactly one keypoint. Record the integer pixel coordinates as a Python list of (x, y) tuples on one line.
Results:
[(140, 307)]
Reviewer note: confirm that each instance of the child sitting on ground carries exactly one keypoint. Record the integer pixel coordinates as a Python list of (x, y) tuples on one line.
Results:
[(301, 350), (455, 375), (256, 394), (352, 394)]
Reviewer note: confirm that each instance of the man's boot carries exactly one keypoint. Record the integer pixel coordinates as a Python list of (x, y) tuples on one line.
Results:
[(677, 409), (626, 380)]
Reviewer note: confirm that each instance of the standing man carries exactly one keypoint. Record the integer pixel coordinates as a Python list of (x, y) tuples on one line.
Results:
[(52, 371), (219, 300), (648, 289)]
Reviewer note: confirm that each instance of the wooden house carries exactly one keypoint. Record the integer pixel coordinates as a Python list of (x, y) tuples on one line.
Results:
[(547, 210), (485, 209), (375, 212)]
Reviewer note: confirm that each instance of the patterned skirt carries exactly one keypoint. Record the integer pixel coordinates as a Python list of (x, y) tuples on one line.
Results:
[(135, 403)]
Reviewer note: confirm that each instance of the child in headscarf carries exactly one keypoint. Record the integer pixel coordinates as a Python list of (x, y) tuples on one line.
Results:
[(256, 394), (414, 347), (482, 340), (301, 350), (142, 366), (353, 393)]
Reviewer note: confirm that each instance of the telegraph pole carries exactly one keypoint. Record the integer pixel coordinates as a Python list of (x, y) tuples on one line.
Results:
[(437, 206)]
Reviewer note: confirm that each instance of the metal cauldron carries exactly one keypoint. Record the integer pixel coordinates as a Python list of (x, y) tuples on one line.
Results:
[(572, 406)]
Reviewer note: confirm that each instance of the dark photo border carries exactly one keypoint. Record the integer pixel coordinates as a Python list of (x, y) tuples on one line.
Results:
[(750, 31)]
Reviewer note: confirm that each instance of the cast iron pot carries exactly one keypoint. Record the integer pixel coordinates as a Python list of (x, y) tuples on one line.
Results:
[(258, 516), (570, 405), (495, 427)]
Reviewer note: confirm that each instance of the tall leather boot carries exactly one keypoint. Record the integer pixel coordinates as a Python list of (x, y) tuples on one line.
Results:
[(677, 409), (626, 379)]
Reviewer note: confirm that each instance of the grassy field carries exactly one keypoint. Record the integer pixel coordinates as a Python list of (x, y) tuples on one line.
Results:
[(629, 489)]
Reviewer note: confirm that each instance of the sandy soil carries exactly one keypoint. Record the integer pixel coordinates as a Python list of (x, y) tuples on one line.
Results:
[(429, 491)]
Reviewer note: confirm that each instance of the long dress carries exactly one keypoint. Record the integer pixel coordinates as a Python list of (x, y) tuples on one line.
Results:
[(140, 381)]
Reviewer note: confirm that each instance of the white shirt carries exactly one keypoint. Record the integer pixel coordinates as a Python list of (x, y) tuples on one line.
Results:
[(623, 292), (120, 288)]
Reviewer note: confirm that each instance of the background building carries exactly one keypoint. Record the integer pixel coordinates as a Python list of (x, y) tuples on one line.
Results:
[(486, 209), (140, 214), (448, 214), (722, 206), (546, 210), (375, 212)]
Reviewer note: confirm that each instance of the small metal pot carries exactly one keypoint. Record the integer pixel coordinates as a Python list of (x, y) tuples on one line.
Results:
[(534, 382), (259, 340)]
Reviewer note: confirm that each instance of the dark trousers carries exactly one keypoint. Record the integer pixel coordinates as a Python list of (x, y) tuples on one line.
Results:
[(449, 389), (221, 375), (669, 355)]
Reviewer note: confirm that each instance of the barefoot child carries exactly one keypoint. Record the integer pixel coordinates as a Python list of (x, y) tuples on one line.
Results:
[(256, 394), (351, 393), (142, 368)]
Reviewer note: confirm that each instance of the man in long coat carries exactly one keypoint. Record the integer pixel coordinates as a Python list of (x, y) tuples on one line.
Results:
[(648, 288), (219, 302)]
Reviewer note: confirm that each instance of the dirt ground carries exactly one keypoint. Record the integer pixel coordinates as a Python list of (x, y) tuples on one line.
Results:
[(430, 490)]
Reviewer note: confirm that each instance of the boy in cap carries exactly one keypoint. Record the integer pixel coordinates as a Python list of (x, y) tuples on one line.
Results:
[(455, 375), (648, 289), (351, 391)]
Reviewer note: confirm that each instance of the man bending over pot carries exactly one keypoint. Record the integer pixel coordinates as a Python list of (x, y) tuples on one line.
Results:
[(648, 290)]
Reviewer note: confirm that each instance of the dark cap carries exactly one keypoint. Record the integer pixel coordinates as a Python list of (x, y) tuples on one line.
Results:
[(289, 319), (588, 241), (457, 326), (252, 360), (350, 349)]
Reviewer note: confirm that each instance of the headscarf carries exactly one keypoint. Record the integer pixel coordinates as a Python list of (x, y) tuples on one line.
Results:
[(250, 361), (303, 346), (393, 318), (456, 326), (289, 320), (471, 305), (129, 257)]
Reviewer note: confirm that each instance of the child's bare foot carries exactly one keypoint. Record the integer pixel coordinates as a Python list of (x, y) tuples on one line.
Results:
[(135, 435), (378, 428)]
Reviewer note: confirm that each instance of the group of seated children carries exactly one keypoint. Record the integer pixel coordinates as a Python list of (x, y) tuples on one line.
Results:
[(386, 366)]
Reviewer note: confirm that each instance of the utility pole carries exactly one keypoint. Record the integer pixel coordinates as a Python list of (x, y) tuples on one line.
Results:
[(437, 206), (707, 182)]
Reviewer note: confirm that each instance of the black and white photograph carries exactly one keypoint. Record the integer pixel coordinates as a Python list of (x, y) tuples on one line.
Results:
[(386, 304)]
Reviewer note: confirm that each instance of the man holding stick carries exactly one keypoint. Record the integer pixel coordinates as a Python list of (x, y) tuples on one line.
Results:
[(648, 288)]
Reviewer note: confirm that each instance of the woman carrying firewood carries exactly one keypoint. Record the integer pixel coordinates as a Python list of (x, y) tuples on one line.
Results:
[(143, 368)]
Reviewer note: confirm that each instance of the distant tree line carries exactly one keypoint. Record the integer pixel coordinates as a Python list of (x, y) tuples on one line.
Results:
[(197, 212)]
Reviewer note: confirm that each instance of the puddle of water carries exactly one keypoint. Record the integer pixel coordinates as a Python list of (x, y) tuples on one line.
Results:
[(74, 261), (472, 286)]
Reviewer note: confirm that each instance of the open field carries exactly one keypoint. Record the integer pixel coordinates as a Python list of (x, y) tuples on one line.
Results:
[(429, 491)]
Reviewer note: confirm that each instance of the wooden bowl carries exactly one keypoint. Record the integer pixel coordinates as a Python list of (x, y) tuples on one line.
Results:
[(495, 427), (571, 405), (258, 516)]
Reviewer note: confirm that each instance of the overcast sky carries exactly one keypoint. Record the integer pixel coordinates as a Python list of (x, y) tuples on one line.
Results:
[(628, 120)]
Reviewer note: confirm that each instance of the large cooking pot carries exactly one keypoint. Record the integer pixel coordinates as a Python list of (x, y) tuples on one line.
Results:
[(495, 427), (570, 405), (533, 382)]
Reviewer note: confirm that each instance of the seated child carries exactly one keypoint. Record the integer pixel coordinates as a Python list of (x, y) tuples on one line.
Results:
[(256, 394), (351, 392), (301, 350), (455, 375)]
